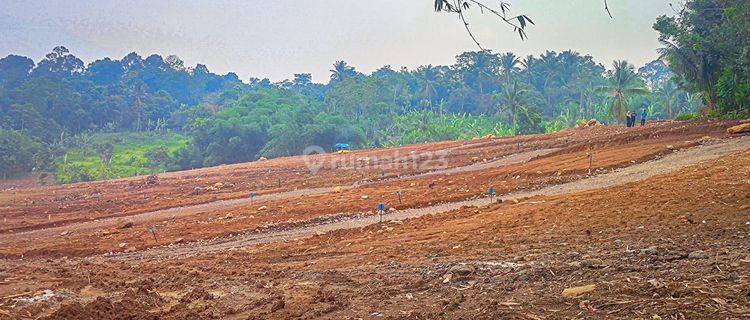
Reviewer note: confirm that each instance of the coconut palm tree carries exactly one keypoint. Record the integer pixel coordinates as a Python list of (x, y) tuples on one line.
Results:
[(512, 97), (429, 76), (698, 71), (302, 79), (341, 71), (529, 62), (529, 68), (509, 63), (668, 92), (622, 81)]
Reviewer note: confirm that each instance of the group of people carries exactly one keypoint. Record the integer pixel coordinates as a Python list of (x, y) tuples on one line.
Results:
[(631, 118)]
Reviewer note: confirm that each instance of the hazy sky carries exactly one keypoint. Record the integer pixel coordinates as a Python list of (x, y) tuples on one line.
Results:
[(277, 38)]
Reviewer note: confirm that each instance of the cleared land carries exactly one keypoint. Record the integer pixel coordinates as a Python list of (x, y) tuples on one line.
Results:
[(660, 227)]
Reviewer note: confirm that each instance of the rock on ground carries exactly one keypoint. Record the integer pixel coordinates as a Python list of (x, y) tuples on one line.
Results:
[(742, 128)]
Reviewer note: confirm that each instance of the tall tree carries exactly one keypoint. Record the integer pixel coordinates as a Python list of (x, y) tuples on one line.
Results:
[(512, 97), (622, 81), (14, 70), (429, 76), (342, 71), (509, 63), (59, 64), (668, 92), (302, 79), (706, 44)]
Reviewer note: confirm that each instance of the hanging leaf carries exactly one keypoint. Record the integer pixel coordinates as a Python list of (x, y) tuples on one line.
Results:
[(439, 4), (527, 19)]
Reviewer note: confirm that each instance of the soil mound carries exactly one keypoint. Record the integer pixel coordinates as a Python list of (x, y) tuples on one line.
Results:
[(104, 308)]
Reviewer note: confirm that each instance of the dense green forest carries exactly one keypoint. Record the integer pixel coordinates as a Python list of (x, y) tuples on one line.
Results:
[(115, 118)]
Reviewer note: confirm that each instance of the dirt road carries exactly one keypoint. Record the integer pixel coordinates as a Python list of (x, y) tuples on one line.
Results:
[(670, 163)]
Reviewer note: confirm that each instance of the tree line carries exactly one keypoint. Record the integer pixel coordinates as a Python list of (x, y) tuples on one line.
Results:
[(58, 103)]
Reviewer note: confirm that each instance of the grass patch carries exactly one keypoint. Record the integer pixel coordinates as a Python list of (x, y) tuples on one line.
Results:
[(128, 156)]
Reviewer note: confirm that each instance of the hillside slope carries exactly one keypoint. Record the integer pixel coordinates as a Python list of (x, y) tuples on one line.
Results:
[(659, 227)]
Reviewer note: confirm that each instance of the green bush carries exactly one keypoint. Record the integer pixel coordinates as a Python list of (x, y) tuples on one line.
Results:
[(17, 152)]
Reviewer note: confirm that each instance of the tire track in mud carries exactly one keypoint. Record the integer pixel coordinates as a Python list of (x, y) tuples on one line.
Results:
[(176, 212), (667, 164)]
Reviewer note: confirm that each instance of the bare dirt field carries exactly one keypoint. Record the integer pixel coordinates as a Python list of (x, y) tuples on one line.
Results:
[(601, 222)]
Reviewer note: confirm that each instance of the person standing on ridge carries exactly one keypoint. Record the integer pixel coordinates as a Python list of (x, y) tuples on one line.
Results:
[(643, 117), (627, 118)]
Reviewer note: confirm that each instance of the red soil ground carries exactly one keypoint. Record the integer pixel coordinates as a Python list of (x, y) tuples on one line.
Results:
[(676, 245)]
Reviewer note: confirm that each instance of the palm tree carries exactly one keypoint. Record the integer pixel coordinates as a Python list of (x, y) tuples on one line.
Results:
[(139, 94), (509, 64), (302, 79), (341, 71), (586, 91), (622, 81), (530, 120), (512, 97), (529, 62), (529, 68), (429, 76), (697, 69), (478, 68), (668, 92)]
